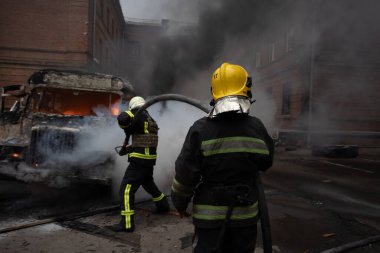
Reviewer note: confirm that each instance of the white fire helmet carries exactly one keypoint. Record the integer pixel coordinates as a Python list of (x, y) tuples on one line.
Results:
[(136, 102)]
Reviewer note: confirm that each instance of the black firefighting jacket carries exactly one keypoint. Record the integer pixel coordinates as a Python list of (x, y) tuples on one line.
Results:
[(144, 136), (220, 152)]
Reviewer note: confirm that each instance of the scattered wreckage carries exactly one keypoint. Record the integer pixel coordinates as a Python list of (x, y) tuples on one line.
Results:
[(46, 125)]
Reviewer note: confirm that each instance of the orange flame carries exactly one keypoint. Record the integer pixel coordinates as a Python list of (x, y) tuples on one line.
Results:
[(115, 111), (69, 112), (15, 155)]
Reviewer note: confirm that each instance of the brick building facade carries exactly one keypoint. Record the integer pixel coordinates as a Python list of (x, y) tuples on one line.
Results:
[(322, 70), (60, 34)]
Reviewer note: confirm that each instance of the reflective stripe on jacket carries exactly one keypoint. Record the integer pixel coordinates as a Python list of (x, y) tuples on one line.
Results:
[(212, 212), (145, 129), (224, 151), (233, 145)]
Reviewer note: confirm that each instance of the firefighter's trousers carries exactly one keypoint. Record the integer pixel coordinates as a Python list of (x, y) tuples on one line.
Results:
[(236, 239), (135, 176)]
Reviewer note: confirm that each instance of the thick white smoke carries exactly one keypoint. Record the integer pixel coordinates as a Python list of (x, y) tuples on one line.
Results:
[(183, 60), (99, 140), (90, 159), (174, 120), (265, 109)]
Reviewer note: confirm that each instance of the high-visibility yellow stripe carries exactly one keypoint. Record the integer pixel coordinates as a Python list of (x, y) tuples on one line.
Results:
[(223, 216), (142, 156), (181, 189), (146, 130), (235, 139), (127, 212), (209, 212), (130, 114), (159, 197), (146, 154), (236, 150), (238, 144)]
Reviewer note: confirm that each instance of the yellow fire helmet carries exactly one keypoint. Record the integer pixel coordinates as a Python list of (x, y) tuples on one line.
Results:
[(230, 80)]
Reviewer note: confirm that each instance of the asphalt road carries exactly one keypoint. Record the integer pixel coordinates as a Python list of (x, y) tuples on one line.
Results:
[(318, 203), (315, 204), (21, 201)]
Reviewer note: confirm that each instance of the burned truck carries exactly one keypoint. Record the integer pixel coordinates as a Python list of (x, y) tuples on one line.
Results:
[(48, 125)]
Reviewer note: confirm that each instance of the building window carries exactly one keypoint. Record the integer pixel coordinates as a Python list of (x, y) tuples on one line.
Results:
[(289, 41), (258, 59), (286, 96), (271, 52)]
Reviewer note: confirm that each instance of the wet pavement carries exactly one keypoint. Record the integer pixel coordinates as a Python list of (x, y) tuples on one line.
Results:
[(315, 204)]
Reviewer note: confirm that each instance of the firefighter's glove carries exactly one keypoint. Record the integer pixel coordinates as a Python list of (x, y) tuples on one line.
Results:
[(124, 150)]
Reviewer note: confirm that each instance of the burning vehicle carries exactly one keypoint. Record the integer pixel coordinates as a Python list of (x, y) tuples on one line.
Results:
[(45, 123)]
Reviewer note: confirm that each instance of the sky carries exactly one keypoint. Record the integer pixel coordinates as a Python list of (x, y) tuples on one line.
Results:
[(145, 9), (157, 9)]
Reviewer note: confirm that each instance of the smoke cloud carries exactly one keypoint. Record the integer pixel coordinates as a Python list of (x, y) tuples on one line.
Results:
[(345, 75), (221, 26), (91, 156), (94, 156), (183, 59), (331, 34), (174, 119)]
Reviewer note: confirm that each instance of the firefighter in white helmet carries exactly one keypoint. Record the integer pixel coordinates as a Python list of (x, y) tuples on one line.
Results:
[(142, 158), (220, 158)]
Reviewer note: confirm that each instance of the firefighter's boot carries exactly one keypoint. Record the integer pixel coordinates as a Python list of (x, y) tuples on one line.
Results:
[(162, 205), (122, 227)]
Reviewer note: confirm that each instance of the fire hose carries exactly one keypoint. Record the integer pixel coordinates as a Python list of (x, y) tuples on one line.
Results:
[(263, 210), (353, 245)]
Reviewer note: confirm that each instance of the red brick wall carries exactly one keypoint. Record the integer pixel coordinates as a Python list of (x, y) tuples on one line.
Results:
[(58, 34), (41, 34)]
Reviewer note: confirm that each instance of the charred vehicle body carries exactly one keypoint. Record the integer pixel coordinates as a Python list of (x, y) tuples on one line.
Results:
[(44, 125)]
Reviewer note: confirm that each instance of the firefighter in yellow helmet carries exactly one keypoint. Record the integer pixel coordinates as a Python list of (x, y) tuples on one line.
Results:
[(220, 158), (142, 157)]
